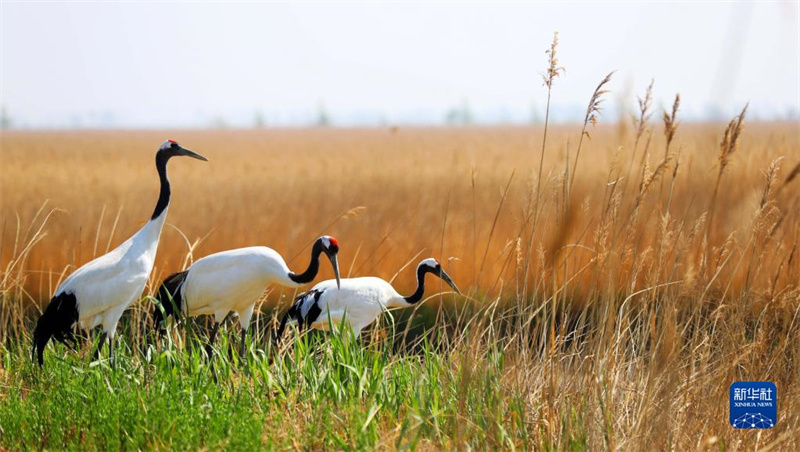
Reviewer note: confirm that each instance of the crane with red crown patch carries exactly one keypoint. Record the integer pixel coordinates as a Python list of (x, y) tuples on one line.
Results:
[(233, 281)]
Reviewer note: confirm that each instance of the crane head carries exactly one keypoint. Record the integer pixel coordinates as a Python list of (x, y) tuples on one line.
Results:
[(330, 246), (171, 148), (431, 265)]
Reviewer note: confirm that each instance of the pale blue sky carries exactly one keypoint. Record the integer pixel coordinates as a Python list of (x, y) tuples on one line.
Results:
[(187, 64)]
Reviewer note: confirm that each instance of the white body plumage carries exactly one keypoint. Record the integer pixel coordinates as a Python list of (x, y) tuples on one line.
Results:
[(232, 280), (105, 287)]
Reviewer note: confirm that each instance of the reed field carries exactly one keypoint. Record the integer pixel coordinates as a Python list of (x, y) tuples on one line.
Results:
[(617, 279)]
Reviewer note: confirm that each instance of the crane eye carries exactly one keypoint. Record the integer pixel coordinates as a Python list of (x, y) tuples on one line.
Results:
[(173, 145)]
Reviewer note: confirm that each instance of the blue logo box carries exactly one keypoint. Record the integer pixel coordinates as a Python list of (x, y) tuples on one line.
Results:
[(753, 404)]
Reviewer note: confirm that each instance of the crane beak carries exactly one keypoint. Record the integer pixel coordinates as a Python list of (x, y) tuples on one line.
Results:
[(335, 264), (449, 281), (192, 154)]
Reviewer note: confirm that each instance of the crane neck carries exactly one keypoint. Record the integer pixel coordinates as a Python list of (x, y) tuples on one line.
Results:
[(313, 267), (164, 193), (415, 297)]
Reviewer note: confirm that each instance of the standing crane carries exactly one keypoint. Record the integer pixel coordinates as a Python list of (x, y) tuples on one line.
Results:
[(233, 281), (100, 291), (357, 303)]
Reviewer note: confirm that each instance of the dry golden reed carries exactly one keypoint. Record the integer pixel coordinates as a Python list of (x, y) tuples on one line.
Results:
[(619, 295)]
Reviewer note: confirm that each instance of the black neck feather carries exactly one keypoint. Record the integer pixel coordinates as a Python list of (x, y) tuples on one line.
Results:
[(415, 297), (164, 194), (313, 267)]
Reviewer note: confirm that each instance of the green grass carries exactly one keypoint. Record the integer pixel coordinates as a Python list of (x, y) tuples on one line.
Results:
[(320, 392)]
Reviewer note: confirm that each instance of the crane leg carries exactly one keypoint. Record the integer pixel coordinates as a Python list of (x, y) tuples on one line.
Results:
[(99, 346), (244, 322), (243, 346), (211, 337), (111, 350)]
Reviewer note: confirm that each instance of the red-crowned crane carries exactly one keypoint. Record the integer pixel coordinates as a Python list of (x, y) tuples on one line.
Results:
[(99, 292), (357, 303), (233, 281)]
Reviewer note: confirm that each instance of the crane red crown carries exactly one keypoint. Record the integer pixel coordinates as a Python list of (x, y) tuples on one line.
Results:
[(334, 242), (172, 141)]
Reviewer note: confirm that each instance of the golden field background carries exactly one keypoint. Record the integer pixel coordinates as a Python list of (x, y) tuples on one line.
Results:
[(625, 303), (409, 192)]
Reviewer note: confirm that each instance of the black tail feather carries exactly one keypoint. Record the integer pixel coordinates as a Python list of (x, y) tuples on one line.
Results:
[(169, 299), (57, 323), (296, 312), (290, 313), (293, 312)]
